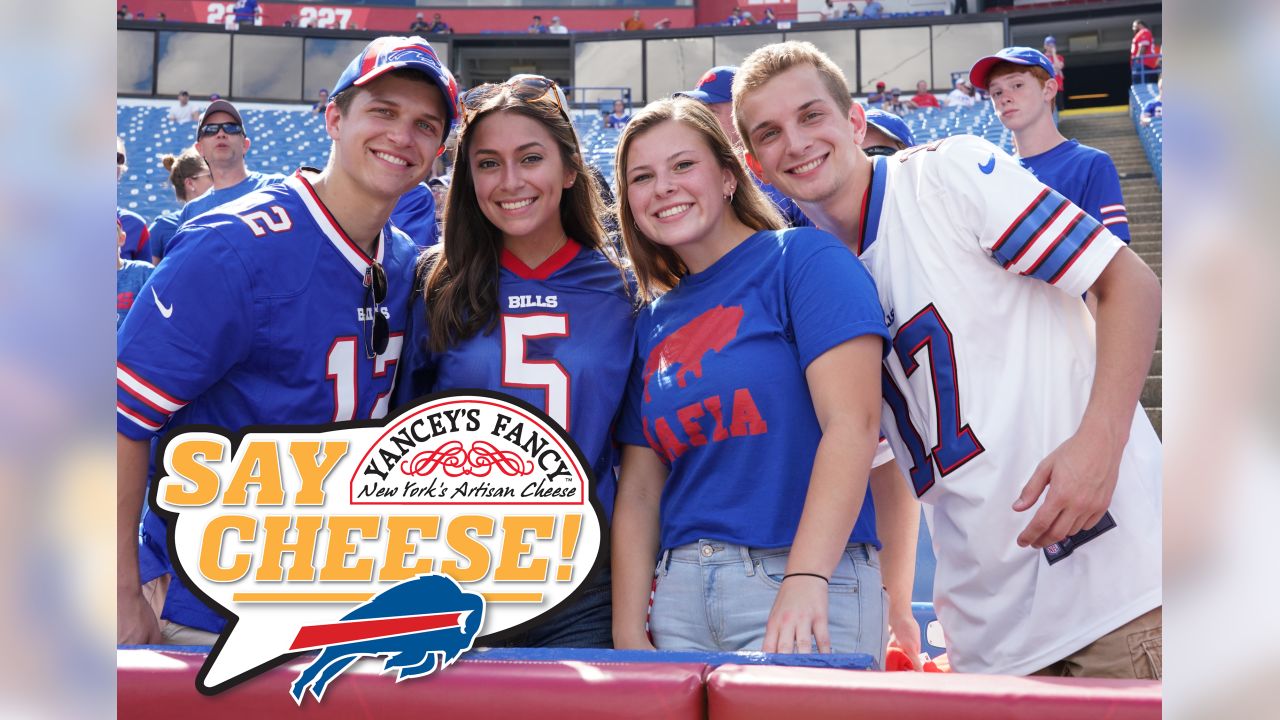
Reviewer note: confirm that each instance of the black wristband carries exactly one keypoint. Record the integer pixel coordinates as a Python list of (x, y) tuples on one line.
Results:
[(820, 577)]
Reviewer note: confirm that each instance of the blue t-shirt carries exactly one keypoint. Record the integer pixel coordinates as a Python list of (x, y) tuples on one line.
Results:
[(245, 10), (136, 235), (873, 10), (256, 317), (718, 385), (1153, 109), (130, 277), (162, 228), (618, 121), (415, 214), (562, 344), (1087, 177), (213, 197)]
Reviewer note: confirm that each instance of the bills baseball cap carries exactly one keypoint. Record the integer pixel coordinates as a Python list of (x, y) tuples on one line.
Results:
[(1016, 55), (891, 125), (391, 52), (219, 106), (716, 86), (1050, 40)]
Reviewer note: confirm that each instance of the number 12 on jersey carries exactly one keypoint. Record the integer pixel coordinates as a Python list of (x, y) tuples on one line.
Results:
[(957, 444)]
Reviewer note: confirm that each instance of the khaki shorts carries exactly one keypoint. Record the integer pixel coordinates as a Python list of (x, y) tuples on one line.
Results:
[(1133, 651), (173, 633)]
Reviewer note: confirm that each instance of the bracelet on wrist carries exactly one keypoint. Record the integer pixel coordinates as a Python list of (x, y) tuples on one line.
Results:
[(823, 578)]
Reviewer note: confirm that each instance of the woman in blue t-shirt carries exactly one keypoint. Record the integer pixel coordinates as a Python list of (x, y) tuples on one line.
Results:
[(752, 412)]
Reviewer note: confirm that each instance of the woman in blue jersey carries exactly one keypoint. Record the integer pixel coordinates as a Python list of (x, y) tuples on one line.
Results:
[(752, 415), (523, 296)]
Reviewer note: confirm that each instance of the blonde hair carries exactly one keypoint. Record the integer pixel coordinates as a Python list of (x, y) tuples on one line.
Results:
[(657, 267), (767, 62)]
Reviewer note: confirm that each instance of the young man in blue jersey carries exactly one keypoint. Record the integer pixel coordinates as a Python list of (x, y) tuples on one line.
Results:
[(284, 307), (1023, 86), (223, 140)]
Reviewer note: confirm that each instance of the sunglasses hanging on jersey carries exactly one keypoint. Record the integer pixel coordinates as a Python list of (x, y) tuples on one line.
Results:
[(528, 88), (375, 293), (230, 128)]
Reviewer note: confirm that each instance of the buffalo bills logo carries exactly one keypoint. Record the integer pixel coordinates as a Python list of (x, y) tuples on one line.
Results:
[(421, 625), (686, 347), (709, 77)]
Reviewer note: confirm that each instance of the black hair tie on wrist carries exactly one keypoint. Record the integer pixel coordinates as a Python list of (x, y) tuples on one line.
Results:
[(820, 577)]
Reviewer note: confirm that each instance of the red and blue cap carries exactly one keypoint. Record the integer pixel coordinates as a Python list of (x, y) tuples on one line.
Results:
[(393, 52), (891, 125), (1016, 55), (716, 86)]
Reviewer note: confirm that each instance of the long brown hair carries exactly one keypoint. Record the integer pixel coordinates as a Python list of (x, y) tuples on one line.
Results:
[(657, 267), (461, 288), (184, 165)]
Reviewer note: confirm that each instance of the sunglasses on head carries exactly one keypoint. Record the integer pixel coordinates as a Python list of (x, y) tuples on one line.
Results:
[(375, 293), (230, 128), (528, 88)]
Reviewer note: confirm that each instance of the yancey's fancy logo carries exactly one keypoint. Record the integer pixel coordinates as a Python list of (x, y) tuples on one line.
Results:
[(464, 518)]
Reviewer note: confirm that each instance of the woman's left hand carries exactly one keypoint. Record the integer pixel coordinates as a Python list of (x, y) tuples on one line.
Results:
[(798, 617)]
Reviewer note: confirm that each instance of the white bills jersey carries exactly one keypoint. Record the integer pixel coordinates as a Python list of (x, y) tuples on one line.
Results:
[(980, 269)]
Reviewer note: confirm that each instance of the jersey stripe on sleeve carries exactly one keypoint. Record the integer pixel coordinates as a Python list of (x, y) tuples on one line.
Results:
[(1026, 227), (137, 419), (146, 393)]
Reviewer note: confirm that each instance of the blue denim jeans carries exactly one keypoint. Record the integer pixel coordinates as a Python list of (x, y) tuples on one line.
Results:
[(586, 622), (716, 596)]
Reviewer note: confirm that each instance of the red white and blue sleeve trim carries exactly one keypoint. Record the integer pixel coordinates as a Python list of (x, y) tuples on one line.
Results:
[(145, 406), (1047, 238), (1113, 215)]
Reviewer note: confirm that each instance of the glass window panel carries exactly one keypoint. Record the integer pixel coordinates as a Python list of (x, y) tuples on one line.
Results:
[(197, 62), (898, 56), (135, 55), (266, 67), (325, 59), (957, 47), (613, 63), (731, 49), (840, 45), (676, 64)]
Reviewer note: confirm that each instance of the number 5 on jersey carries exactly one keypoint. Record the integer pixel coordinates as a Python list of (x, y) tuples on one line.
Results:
[(548, 375)]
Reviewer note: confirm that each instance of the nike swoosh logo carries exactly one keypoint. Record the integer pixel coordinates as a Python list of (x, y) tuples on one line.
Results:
[(989, 165), (165, 311)]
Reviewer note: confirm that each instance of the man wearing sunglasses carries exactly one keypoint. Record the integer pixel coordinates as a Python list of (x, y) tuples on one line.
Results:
[(222, 140), (286, 306)]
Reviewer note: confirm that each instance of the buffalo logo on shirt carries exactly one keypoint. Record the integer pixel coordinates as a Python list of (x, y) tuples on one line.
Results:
[(682, 353)]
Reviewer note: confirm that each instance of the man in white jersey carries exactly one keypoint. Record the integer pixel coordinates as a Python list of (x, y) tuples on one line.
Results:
[(1012, 414)]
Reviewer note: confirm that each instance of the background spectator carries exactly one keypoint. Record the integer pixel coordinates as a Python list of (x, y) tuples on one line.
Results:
[(223, 140), (318, 108), (634, 22), (962, 95), (246, 12), (769, 18), (1142, 54), (879, 96), (619, 117), (131, 275), (184, 111), (850, 12), (190, 178), (735, 17), (135, 227), (873, 10), (923, 98), (886, 134), (1055, 57), (1155, 108), (556, 28), (895, 104), (663, 24), (829, 11), (439, 26), (419, 25), (536, 27), (123, 13)]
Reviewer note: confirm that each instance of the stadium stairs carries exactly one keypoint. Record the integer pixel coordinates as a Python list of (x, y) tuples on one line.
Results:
[(1113, 131)]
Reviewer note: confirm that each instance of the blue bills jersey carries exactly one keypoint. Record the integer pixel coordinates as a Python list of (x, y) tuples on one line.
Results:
[(161, 230), (415, 214), (136, 235), (258, 315), (130, 277), (562, 343), (1087, 177), (719, 390)]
